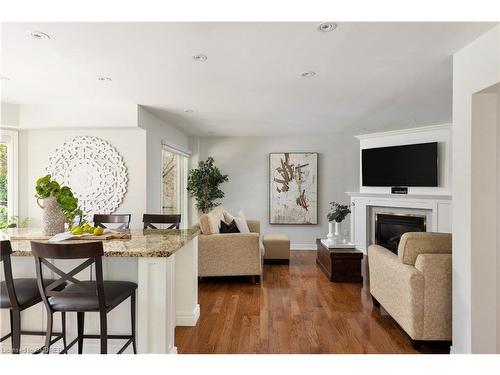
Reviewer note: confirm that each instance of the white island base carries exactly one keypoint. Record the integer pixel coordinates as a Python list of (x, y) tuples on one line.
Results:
[(167, 296)]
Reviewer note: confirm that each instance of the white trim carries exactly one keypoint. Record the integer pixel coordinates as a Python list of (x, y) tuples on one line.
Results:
[(186, 318), (421, 129), (176, 149), (13, 171), (303, 246)]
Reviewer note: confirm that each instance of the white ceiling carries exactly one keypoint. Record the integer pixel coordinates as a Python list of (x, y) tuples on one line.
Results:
[(370, 76)]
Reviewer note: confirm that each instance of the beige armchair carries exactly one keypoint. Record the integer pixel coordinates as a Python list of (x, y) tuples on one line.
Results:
[(414, 286)]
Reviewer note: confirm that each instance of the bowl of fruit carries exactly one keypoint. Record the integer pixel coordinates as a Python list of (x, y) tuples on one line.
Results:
[(87, 229)]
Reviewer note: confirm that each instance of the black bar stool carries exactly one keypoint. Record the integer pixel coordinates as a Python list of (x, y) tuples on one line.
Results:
[(82, 296), (150, 219), (123, 219), (18, 295)]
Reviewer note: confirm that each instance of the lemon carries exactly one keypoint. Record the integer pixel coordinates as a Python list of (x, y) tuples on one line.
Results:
[(76, 230), (98, 231)]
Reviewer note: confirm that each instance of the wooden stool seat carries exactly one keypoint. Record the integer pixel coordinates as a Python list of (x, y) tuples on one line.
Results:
[(115, 292), (26, 291)]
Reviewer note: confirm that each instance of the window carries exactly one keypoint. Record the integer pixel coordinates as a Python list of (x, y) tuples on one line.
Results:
[(174, 182), (8, 175)]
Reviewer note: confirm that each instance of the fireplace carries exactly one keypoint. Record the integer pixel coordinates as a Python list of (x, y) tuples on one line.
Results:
[(390, 227)]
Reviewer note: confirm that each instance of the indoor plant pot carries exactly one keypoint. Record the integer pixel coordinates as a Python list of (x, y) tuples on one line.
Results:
[(52, 216)]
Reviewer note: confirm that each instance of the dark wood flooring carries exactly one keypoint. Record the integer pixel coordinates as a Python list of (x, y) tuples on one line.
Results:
[(295, 309)]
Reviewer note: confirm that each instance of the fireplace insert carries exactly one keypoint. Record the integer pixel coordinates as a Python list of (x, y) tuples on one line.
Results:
[(390, 227)]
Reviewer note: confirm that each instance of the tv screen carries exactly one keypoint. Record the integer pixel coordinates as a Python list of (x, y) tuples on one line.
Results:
[(409, 165)]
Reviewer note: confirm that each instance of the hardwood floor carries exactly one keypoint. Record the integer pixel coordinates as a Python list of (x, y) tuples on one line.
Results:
[(295, 309)]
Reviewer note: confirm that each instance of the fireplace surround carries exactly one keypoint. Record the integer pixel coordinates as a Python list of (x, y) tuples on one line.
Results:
[(389, 227)]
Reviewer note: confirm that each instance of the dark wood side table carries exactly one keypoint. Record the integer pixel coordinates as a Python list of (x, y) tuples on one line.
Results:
[(342, 265)]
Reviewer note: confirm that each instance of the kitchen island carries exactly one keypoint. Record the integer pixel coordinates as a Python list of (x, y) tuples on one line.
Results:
[(164, 264)]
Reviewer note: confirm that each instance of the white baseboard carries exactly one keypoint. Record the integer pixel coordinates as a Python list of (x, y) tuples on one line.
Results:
[(303, 246), (188, 319)]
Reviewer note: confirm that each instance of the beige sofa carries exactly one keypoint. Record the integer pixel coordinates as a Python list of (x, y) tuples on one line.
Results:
[(228, 254), (414, 286)]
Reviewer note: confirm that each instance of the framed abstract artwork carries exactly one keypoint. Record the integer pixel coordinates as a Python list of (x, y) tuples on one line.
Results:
[(293, 188)]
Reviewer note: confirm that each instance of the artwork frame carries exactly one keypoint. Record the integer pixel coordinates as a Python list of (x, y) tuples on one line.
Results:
[(290, 204)]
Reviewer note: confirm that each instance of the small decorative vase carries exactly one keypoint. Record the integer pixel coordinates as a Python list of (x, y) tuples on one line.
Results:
[(52, 216), (333, 234), (330, 235), (337, 230)]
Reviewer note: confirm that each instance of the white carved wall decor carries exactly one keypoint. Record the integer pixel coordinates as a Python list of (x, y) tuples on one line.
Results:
[(94, 170)]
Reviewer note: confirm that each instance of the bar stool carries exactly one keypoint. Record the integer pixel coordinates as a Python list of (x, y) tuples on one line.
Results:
[(18, 295), (123, 219), (150, 219), (82, 296)]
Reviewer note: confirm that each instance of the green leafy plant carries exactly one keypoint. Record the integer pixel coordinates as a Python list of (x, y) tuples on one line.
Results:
[(46, 187), (203, 184), (13, 222), (338, 212)]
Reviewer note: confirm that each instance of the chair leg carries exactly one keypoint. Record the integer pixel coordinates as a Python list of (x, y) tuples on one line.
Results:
[(80, 321), (63, 328), (104, 332), (15, 329), (48, 334), (132, 316)]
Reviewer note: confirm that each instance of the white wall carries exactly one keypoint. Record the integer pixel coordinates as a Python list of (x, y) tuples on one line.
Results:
[(67, 115), (9, 114), (246, 161), (158, 132), (35, 147), (475, 67), (438, 133)]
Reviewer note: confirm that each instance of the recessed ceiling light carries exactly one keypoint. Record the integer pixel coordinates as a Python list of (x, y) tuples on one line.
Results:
[(4, 78), (188, 111), (326, 27), (309, 73), (39, 35), (200, 57), (108, 79)]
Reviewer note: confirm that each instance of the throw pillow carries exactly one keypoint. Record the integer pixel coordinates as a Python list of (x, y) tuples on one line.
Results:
[(241, 222), (228, 228), (228, 217)]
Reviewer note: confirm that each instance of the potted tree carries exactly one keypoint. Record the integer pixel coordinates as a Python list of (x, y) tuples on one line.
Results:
[(337, 214), (203, 184)]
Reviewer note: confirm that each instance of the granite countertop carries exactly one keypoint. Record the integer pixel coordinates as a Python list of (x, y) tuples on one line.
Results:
[(143, 243)]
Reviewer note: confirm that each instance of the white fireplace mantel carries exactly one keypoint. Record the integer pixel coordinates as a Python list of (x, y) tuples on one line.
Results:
[(436, 207)]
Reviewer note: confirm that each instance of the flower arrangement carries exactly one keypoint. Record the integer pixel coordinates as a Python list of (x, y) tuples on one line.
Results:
[(338, 212)]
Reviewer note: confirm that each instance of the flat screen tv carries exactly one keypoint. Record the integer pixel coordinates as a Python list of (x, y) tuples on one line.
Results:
[(408, 165)]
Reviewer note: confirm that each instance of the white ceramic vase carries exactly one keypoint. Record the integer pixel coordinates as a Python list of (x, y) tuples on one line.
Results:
[(333, 231), (52, 216)]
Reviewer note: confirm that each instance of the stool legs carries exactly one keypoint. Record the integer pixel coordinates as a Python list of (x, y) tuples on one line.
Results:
[(63, 328), (15, 328), (48, 335), (104, 332), (132, 317), (80, 321)]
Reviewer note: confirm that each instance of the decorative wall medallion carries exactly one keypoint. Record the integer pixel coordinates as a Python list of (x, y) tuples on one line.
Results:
[(94, 170)]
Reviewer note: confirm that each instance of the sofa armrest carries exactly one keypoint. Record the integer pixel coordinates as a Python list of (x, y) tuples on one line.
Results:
[(254, 226), (229, 254), (398, 287), (437, 272), (414, 243)]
